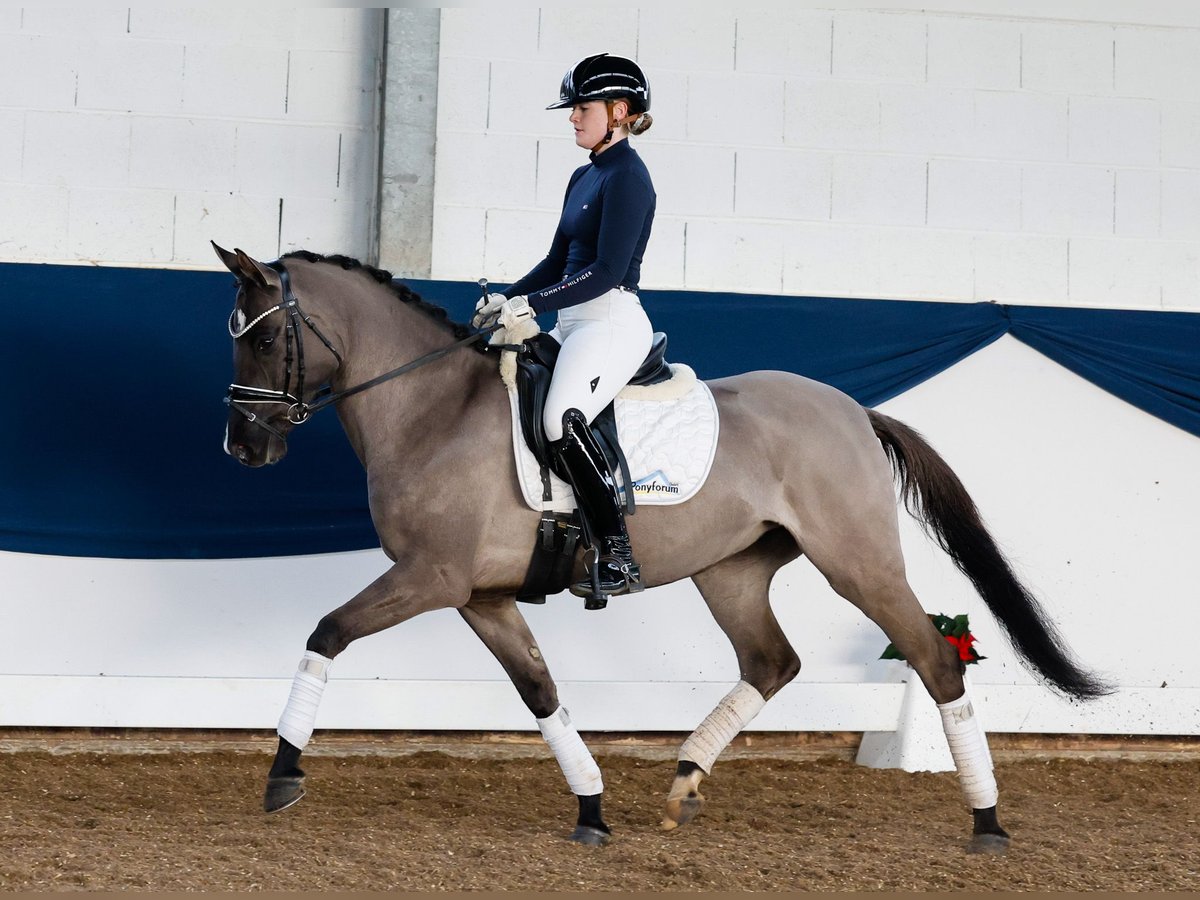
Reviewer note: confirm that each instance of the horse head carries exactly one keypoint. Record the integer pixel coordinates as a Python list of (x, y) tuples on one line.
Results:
[(274, 381)]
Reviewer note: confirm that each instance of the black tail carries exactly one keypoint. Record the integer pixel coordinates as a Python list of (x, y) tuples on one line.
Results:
[(934, 496)]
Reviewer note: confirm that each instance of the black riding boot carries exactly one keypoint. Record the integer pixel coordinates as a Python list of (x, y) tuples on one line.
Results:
[(582, 459)]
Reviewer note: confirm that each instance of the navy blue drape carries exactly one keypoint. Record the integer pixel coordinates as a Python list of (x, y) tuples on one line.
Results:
[(111, 437)]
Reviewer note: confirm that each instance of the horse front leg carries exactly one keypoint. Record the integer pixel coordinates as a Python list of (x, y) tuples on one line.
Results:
[(399, 594), (503, 630)]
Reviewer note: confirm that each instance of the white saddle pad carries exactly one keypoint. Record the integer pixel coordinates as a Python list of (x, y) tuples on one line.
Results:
[(669, 443)]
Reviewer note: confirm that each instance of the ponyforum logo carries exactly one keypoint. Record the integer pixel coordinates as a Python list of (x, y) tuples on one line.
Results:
[(655, 483)]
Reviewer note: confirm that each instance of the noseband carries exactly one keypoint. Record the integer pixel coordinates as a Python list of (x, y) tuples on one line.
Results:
[(240, 396)]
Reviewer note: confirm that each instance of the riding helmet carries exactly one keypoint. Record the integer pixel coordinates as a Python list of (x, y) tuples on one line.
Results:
[(604, 77)]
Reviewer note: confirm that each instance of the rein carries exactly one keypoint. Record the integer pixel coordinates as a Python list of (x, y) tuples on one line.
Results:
[(299, 411)]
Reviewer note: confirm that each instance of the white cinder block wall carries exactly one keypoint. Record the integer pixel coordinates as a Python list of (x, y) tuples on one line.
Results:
[(900, 154), (134, 136)]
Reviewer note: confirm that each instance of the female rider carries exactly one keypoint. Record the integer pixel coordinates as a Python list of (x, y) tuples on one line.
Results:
[(590, 277)]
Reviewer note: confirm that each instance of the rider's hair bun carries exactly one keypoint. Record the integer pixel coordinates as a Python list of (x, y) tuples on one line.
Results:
[(641, 124)]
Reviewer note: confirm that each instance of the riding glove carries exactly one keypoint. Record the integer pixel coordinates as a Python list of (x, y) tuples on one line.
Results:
[(507, 310)]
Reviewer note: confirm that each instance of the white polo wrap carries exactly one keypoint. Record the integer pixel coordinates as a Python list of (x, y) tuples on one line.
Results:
[(968, 746), (732, 714), (574, 758), (300, 714)]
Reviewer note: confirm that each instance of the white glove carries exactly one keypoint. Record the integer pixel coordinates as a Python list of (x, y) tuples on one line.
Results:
[(508, 311), (487, 309), (514, 310)]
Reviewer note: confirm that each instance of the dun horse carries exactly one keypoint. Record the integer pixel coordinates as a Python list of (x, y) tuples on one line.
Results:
[(800, 469)]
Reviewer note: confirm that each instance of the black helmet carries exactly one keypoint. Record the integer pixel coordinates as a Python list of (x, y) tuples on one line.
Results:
[(604, 77)]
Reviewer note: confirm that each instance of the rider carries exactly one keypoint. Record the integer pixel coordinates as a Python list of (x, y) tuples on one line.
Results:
[(590, 277)]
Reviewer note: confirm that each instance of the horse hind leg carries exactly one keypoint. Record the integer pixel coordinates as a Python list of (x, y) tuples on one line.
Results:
[(736, 591), (875, 582)]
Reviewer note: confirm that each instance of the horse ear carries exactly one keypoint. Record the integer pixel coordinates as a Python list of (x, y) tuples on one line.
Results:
[(244, 266), (226, 257)]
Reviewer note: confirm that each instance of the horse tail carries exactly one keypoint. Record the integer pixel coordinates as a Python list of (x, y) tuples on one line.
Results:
[(936, 498)]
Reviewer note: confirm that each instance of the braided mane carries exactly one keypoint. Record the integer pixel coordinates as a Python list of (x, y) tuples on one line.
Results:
[(399, 288)]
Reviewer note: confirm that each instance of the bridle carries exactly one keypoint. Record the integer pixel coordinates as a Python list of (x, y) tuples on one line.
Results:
[(241, 396)]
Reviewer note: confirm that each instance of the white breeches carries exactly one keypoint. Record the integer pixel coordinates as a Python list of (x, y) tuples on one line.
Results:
[(604, 342)]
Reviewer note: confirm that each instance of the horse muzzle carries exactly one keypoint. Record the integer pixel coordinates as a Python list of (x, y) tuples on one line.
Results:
[(253, 440)]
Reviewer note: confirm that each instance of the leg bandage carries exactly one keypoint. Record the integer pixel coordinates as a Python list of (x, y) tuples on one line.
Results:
[(574, 758), (732, 714), (300, 714), (968, 746)]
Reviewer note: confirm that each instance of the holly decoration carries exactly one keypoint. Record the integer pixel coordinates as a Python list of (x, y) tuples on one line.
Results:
[(956, 630)]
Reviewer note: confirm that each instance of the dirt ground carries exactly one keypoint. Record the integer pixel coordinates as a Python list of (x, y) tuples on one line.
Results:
[(438, 817)]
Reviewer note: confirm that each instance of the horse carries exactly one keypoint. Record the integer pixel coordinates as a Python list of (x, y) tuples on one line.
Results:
[(800, 469)]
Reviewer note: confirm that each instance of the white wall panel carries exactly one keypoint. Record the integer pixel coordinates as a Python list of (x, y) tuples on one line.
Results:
[(1023, 269), (37, 72), (792, 41), (230, 219), (1116, 131), (1075, 200), (884, 190), (879, 46), (1061, 57), (33, 220), (924, 119), (167, 152), (783, 184), (1181, 134), (1021, 126), (699, 39), (12, 142), (89, 22), (331, 86), (927, 263), (974, 195), (832, 115), (1162, 63), (86, 150), (751, 104), (146, 106), (145, 76), (974, 52), (1138, 203), (1122, 273), (121, 224), (235, 81), (1180, 202)]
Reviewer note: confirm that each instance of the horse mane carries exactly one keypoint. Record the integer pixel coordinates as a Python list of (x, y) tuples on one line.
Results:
[(399, 288)]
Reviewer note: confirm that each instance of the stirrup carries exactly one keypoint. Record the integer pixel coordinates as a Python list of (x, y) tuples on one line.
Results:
[(596, 594)]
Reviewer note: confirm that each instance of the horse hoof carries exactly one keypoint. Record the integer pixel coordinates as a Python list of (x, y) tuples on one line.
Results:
[(995, 844), (282, 793), (682, 810), (589, 836)]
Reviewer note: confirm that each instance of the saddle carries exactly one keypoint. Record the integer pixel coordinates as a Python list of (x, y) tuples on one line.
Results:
[(559, 533)]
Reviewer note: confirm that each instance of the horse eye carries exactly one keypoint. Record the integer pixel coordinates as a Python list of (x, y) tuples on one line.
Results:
[(263, 344)]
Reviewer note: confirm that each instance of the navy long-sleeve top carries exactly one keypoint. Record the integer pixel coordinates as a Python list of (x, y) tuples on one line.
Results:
[(601, 235)]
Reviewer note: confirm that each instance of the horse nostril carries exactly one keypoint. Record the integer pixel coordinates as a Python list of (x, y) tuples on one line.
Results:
[(242, 452)]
